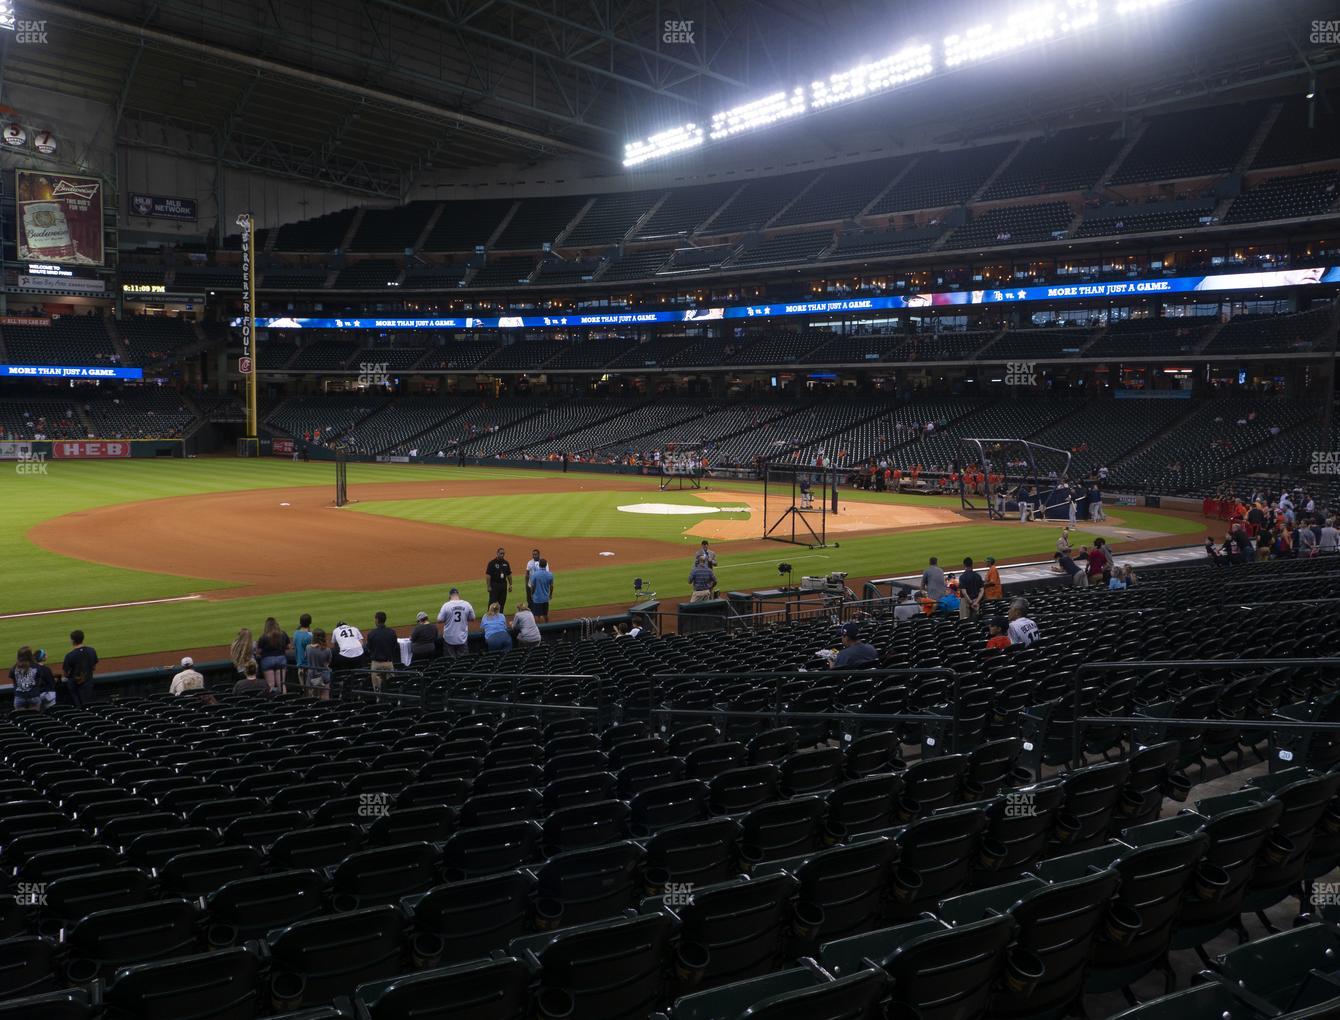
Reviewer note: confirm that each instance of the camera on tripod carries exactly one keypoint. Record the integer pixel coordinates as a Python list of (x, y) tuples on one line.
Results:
[(834, 583)]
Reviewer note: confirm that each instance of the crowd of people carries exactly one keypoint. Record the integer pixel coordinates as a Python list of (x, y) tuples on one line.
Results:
[(1290, 527)]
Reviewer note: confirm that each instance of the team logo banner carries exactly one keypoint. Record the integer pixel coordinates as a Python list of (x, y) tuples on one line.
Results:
[(59, 218)]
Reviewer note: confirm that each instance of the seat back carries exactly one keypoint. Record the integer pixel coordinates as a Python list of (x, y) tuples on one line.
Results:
[(254, 906), (125, 935), (489, 990), (857, 997), (475, 916), (222, 985), (611, 969), (866, 804), (591, 884), (330, 956), (849, 883), (743, 924), (952, 973), (699, 853), (1058, 923)]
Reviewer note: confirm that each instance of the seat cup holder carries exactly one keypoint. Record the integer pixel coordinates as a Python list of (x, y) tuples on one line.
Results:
[(555, 1004), (906, 883), (220, 935), (81, 971), (1278, 848), (654, 881), (1023, 970), (287, 990), (835, 833), (342, 903), (1067, 827), (906, 809), (426, 949), (547, 913), (1122, 924), (750, 857), (1178, 787), (691, 960), (1211, 881), (1131, 804), (806, 920), (991, 853)]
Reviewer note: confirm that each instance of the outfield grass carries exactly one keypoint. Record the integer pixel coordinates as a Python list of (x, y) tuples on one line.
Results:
[(39, 579), (556, 514)]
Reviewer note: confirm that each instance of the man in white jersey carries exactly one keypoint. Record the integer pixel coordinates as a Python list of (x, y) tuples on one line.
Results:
[(532, 565), (455, 617), (1023, 631), (348, 642)]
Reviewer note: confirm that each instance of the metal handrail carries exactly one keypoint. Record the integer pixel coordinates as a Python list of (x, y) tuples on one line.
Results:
[(1149, 665)]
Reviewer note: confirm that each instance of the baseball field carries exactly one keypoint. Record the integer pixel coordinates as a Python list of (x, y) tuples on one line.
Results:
[(155, 558)]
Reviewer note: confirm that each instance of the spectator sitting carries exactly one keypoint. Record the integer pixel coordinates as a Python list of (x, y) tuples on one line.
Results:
[(1022, 630), (906, 607), (250, 682), (855, 654), (187, 680), (525, 628), (997, 633), (423, 640), (494, 625)]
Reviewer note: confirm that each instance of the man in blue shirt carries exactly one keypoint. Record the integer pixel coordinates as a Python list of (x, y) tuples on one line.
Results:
[(542, 590), (702, 580), (855, 654)]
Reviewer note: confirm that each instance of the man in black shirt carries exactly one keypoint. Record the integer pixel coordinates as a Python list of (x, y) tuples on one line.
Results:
[(382, 645), (424, 642), (80, 662), (498, 575), (970, 588)]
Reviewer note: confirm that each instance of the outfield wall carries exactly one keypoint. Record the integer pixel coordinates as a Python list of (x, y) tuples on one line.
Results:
[(90, 449)]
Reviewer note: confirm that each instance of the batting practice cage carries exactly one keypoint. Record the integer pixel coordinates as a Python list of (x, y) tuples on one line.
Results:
[(986, 466), (682, 466), (796, 503)]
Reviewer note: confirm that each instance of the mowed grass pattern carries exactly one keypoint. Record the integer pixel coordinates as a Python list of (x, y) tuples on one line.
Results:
[(557, 514), (40, 580)]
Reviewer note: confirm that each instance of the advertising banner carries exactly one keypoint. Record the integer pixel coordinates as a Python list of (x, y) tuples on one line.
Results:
[(1051, 292), (59, 218), (90, 449), (163, 207), (69, 372)]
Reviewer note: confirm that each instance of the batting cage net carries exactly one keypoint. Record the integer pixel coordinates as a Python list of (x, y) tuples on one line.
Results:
[(797, 501), (997, 475)]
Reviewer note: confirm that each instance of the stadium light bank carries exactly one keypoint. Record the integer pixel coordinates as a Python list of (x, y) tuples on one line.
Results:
[(1024, 27)]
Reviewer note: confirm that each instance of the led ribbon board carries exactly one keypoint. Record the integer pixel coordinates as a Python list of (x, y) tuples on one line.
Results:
[(942, 299)]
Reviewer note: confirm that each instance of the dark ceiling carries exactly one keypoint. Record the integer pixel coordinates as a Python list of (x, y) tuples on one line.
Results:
[(366, 95)]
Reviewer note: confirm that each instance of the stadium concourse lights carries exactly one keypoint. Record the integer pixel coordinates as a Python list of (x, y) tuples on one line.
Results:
[(1025, 26)]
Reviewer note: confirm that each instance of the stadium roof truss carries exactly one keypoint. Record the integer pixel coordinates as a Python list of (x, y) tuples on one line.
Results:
[(365, 94)]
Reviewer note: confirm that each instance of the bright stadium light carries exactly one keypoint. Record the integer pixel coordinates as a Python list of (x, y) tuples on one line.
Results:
[(1037, 23), (869, 79), (1025, 27), (759, 113), (687, 136)]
